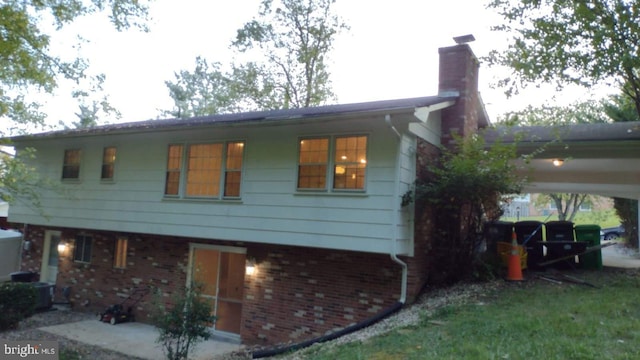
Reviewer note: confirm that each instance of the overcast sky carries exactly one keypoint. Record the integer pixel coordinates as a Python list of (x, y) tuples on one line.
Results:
[(390, 52)]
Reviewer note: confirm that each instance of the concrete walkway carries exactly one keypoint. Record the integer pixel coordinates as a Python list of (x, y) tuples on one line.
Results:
[(134, 339), (621, 257)]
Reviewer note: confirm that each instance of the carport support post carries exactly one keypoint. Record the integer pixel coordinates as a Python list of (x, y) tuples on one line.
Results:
[(638, 229)]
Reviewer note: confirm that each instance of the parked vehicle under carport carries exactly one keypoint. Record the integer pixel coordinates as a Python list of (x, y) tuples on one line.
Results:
[(612, 233)]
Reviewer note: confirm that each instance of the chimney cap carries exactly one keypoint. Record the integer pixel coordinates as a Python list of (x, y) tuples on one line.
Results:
[(464, 39)]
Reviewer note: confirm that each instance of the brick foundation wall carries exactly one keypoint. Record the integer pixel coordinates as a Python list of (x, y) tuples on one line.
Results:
[(157, 262), (302, 293), (296, 294)]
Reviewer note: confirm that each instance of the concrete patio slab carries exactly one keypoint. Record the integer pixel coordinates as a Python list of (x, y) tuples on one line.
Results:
[(135, 339)]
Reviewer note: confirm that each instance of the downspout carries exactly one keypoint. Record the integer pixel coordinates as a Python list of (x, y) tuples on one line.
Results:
[(395, 206), (394, 256)]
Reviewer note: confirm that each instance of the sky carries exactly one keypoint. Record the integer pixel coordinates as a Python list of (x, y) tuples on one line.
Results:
[(390, 52)]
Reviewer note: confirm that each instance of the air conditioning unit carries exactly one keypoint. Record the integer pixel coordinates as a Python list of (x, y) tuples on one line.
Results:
[(44, 295)]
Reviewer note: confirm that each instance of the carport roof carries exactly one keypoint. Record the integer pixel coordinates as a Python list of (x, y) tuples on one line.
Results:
[(602, 159)]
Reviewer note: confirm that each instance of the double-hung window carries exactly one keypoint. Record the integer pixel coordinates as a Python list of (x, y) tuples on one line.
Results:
[(208, 170), (71, 164), (82, 251), (336, 163), (108, 163)]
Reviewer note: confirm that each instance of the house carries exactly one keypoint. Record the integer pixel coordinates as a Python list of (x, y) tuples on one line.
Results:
[(291, 218)]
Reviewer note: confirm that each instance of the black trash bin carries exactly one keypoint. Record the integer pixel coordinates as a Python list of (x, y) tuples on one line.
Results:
[(22, 276), (531, 233), (560, 231), (497, 231)]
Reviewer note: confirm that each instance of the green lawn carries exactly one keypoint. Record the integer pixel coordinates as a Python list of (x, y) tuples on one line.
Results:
[(534, 319)]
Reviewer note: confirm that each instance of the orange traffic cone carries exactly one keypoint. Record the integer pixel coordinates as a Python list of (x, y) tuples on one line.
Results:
[(515, 268)]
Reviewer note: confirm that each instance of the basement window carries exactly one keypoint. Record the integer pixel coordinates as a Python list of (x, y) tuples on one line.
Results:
[(120, 258), (82, 251)]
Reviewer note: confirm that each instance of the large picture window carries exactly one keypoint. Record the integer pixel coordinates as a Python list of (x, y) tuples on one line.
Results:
[(71, 164), (82, 251), (211, 170), (339, 162)]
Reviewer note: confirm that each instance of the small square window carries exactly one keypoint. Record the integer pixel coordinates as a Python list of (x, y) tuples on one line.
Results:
[(71, 165), (120, 256), (108, 163), (82, 251)]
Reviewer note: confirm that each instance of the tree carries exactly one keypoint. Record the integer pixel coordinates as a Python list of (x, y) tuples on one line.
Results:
[(294, 38), (587, 112), (570, 42), (567, 204), (26, 62), (287, 45), (573, 42), (207, 90), (621, 108), (28, 66)]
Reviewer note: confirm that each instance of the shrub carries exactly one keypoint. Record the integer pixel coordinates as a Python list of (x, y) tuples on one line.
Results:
[(17, 302), (183, 324), (462, 192)]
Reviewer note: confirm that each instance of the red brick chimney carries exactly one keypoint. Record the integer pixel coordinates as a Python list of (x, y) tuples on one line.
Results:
[(459, 77)]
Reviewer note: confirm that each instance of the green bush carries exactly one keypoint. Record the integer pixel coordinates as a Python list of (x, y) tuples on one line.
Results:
[(183, 324), (17, 302)]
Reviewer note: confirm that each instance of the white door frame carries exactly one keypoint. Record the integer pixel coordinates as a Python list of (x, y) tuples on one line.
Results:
[(46, 247), (220, 248)]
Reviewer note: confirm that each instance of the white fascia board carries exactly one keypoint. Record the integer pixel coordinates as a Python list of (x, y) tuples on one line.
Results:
[(429, 125)]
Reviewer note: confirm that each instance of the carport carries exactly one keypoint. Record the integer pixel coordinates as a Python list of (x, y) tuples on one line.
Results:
[(600, 159)]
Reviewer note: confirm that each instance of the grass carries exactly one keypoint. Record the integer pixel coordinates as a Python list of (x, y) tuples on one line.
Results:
[(534, 319)]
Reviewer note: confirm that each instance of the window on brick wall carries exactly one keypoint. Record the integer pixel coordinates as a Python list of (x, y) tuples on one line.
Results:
[(120, 253), (211, 170), (338, 163), (82, 251), (108, 163), (71, 164)]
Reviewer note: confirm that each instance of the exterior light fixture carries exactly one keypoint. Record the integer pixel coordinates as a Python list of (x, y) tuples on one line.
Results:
[(557, 162), (251, 267), (62, 246)]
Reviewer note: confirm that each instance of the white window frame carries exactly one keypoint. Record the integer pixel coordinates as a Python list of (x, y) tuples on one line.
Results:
[(182, 185), (331, 164)]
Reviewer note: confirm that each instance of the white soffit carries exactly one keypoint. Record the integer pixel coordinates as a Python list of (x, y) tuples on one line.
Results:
[(430, 126)]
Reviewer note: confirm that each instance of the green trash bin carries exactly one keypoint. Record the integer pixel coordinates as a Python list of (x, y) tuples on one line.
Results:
[(591, 235)]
